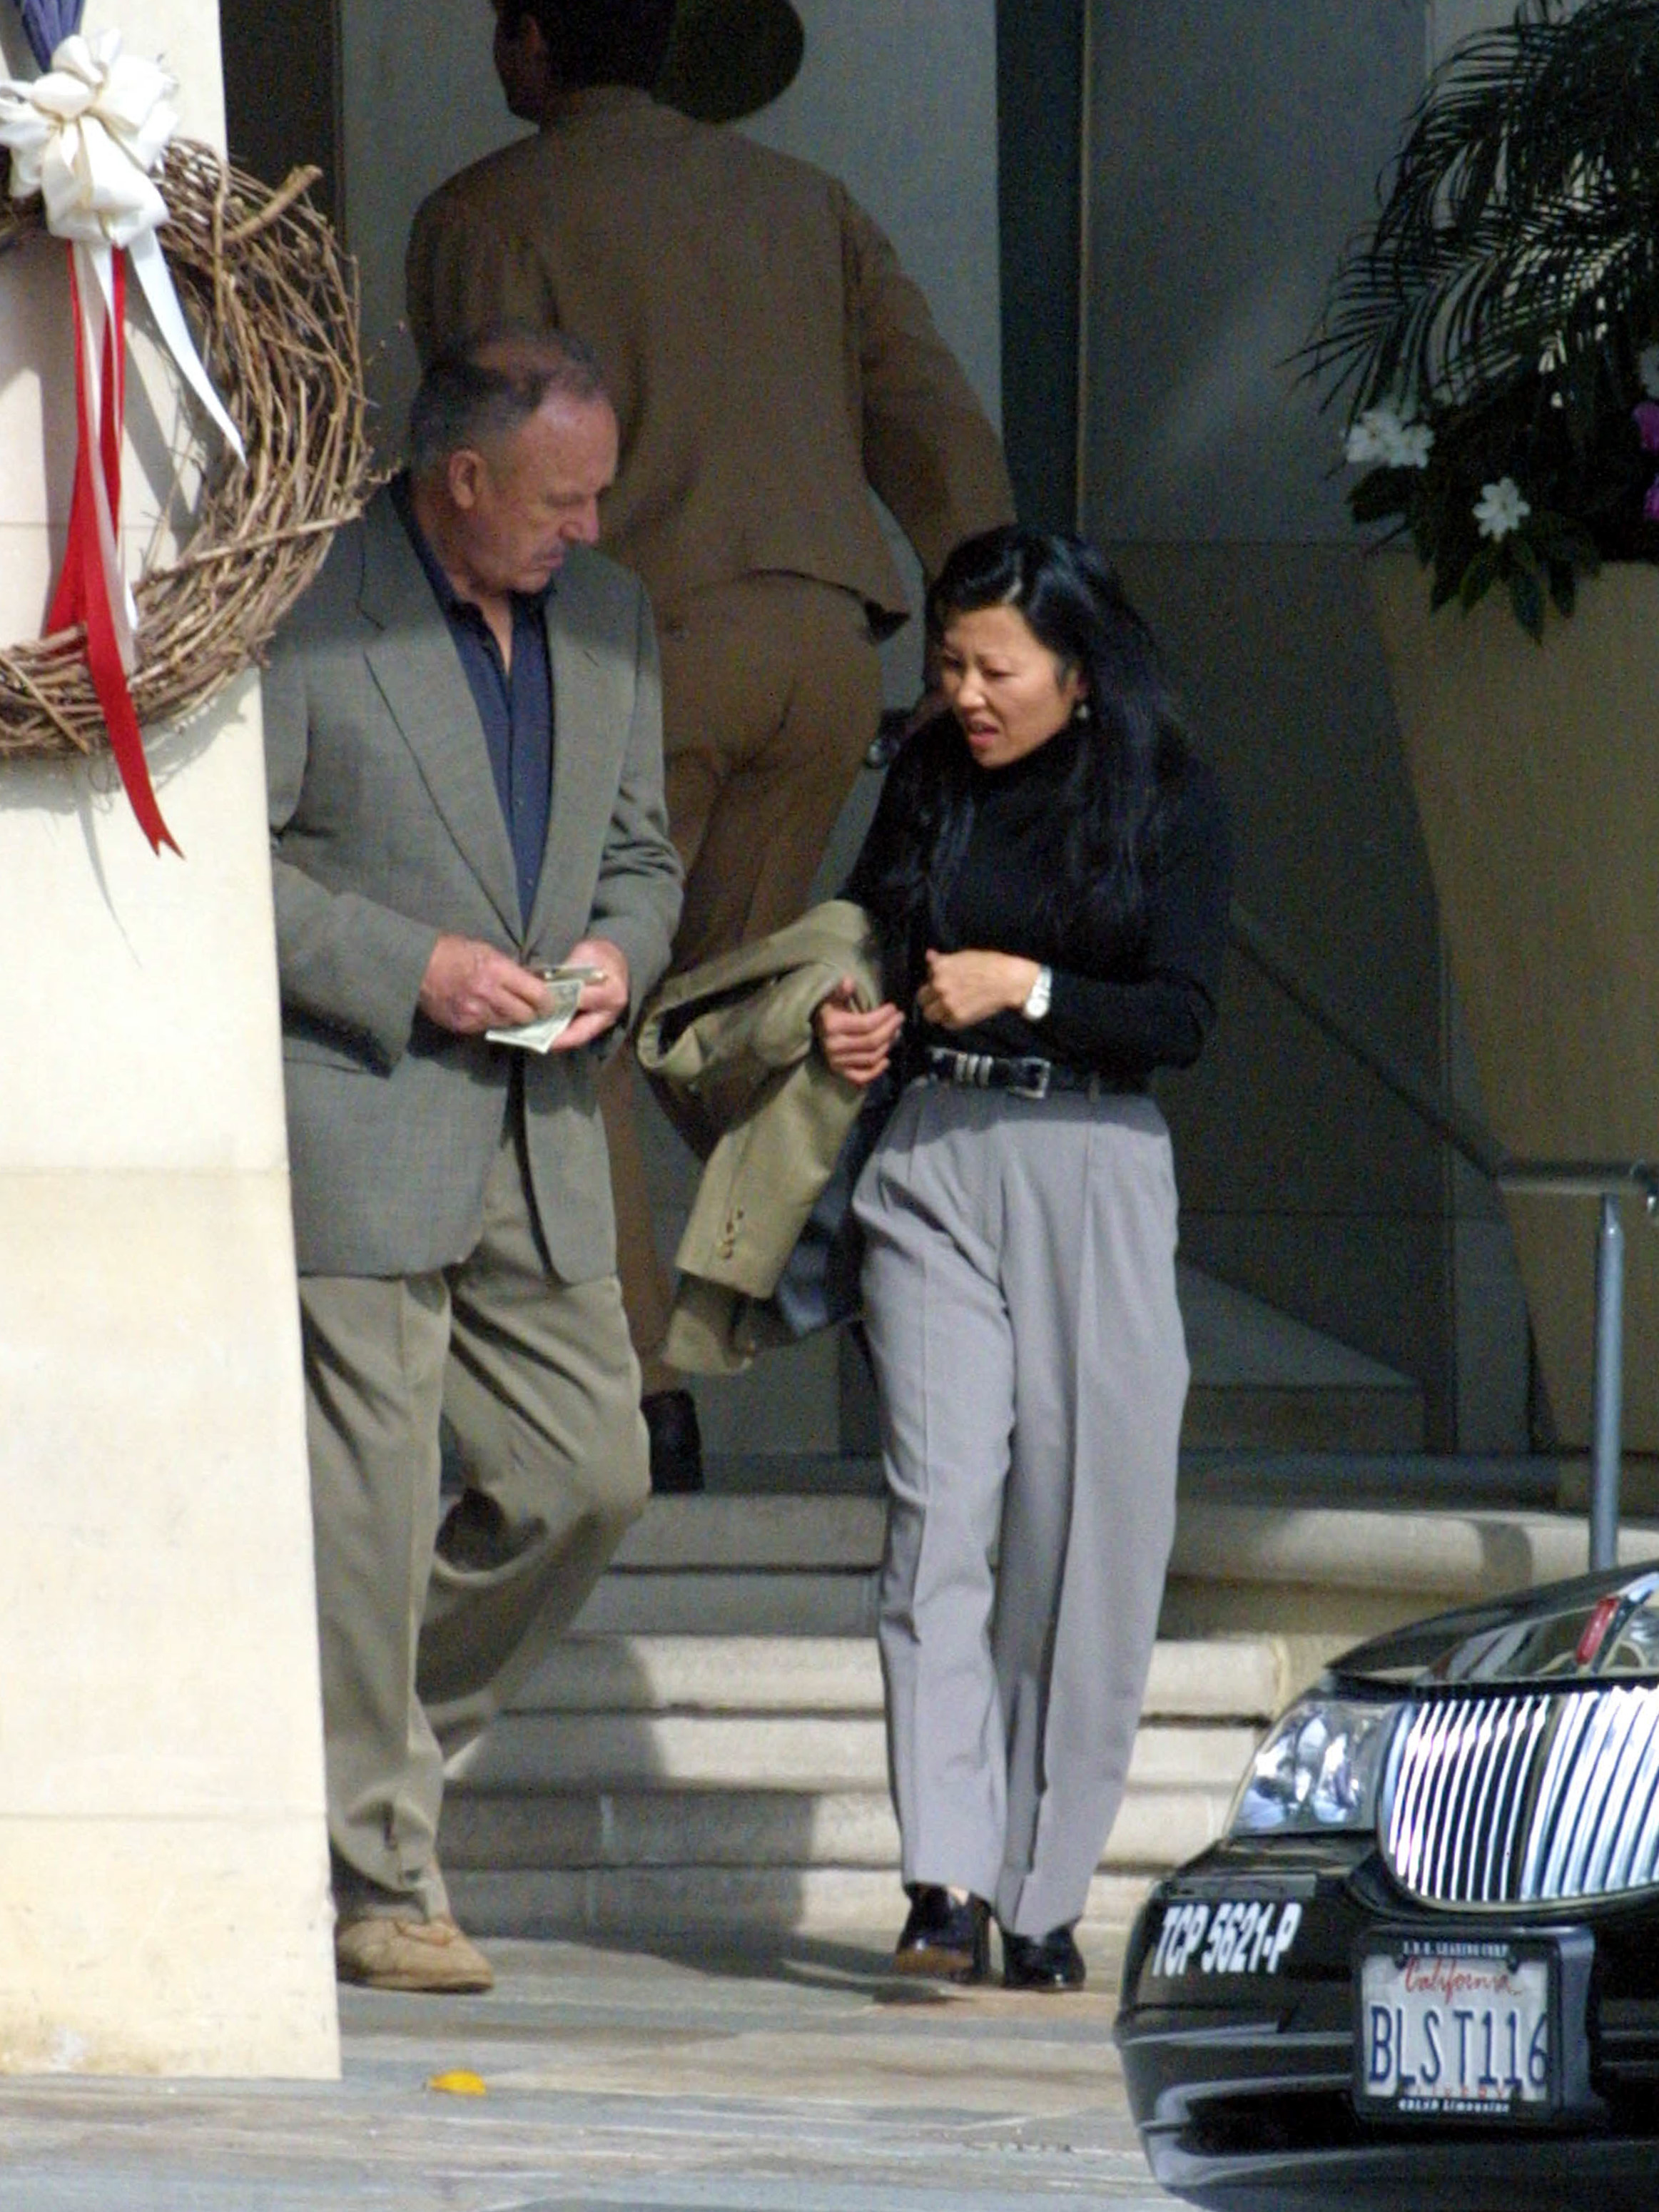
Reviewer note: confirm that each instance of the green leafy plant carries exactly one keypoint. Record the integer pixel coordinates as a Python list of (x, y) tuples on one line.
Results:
[(1494, 336)]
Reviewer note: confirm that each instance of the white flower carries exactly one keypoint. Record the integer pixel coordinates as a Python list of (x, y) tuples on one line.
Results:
[(1390, 436), (1409, 449), (1500, 508), (1363, 442), (1647, 367)]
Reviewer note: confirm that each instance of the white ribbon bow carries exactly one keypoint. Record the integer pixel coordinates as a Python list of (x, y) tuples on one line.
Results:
[(87, 136)]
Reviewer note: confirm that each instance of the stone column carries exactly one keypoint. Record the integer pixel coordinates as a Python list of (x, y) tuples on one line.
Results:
[(163, 1863)]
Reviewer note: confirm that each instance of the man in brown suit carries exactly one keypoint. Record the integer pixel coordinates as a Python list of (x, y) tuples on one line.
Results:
[(770, 364)]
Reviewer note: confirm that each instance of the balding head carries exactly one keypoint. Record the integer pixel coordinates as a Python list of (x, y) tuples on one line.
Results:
[(481, 391), (511, 442)]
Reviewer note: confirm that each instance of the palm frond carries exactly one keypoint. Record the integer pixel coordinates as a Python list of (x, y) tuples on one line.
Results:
[(1521, 225)]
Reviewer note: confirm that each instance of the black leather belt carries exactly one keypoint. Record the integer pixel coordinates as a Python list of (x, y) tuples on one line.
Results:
[(1026, 1078)]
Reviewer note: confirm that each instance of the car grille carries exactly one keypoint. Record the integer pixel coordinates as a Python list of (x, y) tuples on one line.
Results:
[(1521, 1799)]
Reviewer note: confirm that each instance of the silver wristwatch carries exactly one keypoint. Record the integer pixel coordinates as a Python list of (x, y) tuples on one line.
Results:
[(1037, 997)]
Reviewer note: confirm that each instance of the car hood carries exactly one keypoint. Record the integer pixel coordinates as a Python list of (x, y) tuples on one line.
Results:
[(1597, 1627)]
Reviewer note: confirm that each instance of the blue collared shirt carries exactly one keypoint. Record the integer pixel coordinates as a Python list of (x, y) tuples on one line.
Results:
[(515, 704)]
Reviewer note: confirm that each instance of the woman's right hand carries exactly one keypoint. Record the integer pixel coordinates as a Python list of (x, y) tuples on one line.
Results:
[(856, 1043)]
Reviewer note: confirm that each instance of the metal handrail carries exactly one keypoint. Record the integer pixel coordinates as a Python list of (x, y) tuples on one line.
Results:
[(1471, 1140), (1608, 1181)]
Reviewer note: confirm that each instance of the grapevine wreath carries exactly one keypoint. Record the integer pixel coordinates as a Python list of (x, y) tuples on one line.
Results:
[(272, 300)]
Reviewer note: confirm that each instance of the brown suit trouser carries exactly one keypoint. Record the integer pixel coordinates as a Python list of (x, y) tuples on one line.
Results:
[(771, 694)]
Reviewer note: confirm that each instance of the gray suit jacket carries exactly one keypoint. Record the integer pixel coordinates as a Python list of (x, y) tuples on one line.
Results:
[(386, 833)]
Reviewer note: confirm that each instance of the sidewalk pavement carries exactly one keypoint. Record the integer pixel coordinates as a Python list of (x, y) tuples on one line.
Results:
[(780, 2075)]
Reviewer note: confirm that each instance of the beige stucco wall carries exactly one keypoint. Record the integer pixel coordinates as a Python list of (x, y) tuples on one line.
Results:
[(162, 1854), (1534, 768)]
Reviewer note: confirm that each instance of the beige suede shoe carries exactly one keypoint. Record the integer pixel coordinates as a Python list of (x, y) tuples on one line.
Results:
[(380, 1952)]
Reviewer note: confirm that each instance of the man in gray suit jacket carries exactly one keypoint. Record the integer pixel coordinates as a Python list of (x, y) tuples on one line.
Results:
[(463, 730)]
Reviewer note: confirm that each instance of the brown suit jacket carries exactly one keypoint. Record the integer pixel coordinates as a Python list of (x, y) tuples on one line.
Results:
[(768, 356)]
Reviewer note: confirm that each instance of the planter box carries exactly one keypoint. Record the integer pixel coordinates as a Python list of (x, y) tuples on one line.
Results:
[(1536, 771)]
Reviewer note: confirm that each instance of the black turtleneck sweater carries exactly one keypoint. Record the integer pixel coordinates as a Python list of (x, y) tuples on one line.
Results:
[(1117, 1009)]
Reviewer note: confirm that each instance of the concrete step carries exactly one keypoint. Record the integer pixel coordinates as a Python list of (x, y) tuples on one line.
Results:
[(828, 1901), (707, 1533), (535, 1753), (1339, 1575), (1458, 1549), (721, 1565), (1223, 1678), (506, 1831), (775, 1601), (805, 1566)]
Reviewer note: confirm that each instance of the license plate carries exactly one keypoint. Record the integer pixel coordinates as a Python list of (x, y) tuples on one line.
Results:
[(1456, 2030)]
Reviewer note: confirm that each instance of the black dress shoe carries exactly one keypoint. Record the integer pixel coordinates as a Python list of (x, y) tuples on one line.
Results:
[(1041, 1962), (948, 1939), (670, 1419)]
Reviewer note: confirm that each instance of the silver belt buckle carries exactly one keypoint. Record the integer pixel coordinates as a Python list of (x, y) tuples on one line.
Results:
[(1032, 1081)]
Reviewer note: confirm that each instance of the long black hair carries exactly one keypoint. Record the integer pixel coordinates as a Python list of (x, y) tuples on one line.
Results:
[(1130, 751)]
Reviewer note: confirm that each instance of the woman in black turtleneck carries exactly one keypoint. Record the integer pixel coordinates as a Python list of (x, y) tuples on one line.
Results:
[(1048, 870)]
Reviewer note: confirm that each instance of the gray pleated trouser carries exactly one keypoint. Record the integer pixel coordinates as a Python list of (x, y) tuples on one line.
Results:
[(425, 1634), (1019, 1296)]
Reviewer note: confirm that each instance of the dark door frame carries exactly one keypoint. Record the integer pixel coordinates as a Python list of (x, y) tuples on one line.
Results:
[(1042, 47), (294, 45)]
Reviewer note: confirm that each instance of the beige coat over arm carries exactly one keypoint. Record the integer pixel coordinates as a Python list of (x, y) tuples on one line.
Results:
[(735, 1039)]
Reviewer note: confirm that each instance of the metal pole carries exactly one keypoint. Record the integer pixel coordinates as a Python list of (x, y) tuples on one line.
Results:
[(1609, 1385)]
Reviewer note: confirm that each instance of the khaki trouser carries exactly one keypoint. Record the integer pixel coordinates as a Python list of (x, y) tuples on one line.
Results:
[(426, 1633), (1020, 1300), (771, 694)]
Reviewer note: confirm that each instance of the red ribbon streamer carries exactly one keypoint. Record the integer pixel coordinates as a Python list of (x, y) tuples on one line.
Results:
[(83, 586)]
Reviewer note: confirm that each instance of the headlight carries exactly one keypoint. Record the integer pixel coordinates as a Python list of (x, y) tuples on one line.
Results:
[(1320, 1768)]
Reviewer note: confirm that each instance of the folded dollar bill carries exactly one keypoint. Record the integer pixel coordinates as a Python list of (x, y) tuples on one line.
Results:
[(564, 991)]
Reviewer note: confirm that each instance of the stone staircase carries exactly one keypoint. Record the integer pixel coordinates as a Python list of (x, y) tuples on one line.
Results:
[(675, 1781), (709, 1749)]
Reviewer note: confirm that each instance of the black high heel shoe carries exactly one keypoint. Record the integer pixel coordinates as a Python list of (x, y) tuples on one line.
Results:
[(947, 1939), (1041, 1962)]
